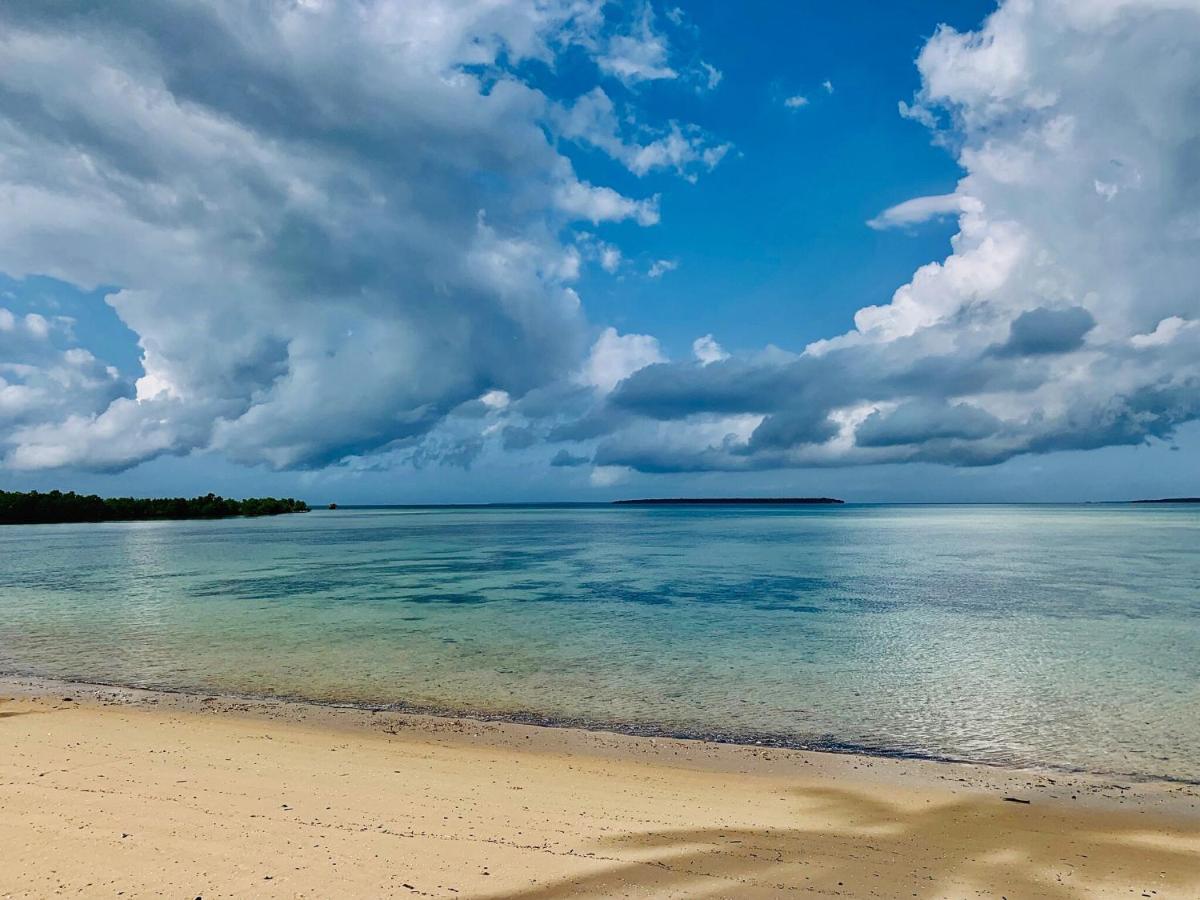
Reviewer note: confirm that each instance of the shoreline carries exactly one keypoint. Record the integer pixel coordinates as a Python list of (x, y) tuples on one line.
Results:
[(117, 789), (1101, 790), (21, 682)]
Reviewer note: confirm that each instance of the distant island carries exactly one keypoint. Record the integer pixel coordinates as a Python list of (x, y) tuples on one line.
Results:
[(730, 501), (1170, 500), (36, 508)]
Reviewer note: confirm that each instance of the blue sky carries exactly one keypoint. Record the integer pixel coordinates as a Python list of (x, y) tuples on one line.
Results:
[(774, 242), (421, 270)]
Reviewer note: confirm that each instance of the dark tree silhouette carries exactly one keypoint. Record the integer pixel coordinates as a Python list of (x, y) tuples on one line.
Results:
[(55, 506)]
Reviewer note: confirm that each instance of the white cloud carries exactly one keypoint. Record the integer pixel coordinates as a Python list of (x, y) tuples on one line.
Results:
[(640, 54), (603, 204), (796, 101), (37, 325), (357, 260), (676, 150), (607, 476), (610, 258), (1165, 333), (40, 381), (660, 267), (827, 85), (1065, 315), (495, 399), (712, 75), (617, 356), (917, 113), (593, 119), (917, 210), (321, 266), (607, 256), (106, 441), (707, 350)]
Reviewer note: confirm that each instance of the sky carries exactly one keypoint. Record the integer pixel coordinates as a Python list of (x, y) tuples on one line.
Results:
[(495, 251)]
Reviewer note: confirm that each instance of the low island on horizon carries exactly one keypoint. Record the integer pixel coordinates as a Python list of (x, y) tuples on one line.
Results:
[(730, 501)]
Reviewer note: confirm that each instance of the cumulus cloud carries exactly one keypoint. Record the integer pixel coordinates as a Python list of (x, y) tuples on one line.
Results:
[(44, 375), (796, 101), (354, 242), (616, 356), (603, 204), (349, 227), (1064, 317), (707, 350)]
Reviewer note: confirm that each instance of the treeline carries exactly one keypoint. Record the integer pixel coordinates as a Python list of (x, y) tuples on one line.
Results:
[(55, 506)]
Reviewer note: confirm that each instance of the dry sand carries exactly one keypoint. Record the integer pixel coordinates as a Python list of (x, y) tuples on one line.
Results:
[(128, 793)]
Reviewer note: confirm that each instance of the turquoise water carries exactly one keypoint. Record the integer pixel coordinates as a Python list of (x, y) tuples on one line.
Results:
[(1055, 636)]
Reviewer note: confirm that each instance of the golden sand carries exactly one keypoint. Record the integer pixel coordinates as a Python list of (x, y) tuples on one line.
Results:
[(122, 793)]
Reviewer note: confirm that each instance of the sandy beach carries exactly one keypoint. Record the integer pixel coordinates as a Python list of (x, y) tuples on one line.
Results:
[(109, 792)]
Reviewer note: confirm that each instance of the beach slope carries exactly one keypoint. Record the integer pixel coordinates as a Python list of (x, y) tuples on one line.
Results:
[(131, 794)]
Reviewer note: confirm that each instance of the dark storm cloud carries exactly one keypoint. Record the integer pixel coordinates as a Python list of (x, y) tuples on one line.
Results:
[(1044, 330), (916, 422), (564, 459)]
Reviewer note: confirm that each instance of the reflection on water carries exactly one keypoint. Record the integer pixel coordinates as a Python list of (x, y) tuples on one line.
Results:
[(1022, 635)]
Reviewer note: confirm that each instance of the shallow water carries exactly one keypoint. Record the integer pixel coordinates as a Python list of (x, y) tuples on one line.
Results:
[(1020, 635)]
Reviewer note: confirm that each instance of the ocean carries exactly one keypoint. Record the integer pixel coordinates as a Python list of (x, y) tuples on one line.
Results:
[(1048, 636)]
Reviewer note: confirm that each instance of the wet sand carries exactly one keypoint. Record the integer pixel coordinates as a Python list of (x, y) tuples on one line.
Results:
[(117, 792)]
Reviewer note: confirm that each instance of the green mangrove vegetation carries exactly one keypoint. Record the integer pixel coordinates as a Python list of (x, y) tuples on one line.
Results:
[(56, 506)]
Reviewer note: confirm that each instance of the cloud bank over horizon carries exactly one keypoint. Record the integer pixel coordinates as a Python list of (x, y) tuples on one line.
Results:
[(356, 242), (1067, 316)]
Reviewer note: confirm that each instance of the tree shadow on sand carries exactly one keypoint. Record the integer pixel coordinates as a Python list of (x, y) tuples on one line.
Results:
[(868, 847), (13, 713)]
